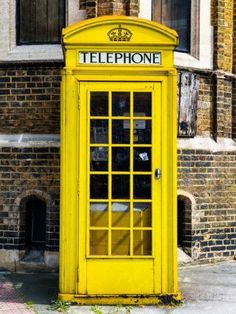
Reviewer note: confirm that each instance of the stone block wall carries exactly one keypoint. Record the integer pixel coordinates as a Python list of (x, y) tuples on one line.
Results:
[(223, 34), (234, 110)]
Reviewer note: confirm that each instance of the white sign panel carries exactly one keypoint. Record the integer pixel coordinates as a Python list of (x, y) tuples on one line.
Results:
[(144, 58)]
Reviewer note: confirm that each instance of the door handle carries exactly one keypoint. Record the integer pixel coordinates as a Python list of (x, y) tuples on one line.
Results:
[(157, 174)]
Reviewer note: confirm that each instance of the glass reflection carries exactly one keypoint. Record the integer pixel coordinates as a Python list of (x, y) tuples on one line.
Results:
[(142, 242), (120, 131), (99, 159), (120, 242), (99, 132), (120, 186), (99, 104), (120, 158), (98, 186), (142, 159), (143, 104), (99, 242), (142, 186), (120, 215), (120, 104), (142, 215), (98, 214), (142, 132)]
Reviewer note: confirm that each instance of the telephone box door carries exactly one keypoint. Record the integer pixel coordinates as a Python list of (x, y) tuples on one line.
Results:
[(120, 188)]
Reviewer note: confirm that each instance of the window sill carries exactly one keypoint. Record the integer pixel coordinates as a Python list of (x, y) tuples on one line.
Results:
[(207, 143), (186, 60), (33, 53)]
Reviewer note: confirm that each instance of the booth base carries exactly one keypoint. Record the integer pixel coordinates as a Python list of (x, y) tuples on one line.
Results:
[(161, 299)]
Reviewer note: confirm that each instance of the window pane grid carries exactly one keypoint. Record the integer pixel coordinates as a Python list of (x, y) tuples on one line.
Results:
[(121, 172), (136, 117), (120, 228), (119, 200), (119, 239), (120, 145)]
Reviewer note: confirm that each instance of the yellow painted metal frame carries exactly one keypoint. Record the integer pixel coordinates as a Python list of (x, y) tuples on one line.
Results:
[(91, 35), (122, 265)]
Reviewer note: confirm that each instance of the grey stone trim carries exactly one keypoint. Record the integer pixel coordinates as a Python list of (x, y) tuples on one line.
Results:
[(29, 140)]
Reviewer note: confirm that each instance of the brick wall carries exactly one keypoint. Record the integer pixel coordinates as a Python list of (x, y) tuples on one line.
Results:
[(205, 118), (29, 98), (29, 103), (25, 170), (210, 178), (114, 7)]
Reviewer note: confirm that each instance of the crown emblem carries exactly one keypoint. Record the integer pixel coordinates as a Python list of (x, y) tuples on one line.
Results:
[(119, 34)]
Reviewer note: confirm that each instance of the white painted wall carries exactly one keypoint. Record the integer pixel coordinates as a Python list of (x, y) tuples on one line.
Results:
[(145, 11)]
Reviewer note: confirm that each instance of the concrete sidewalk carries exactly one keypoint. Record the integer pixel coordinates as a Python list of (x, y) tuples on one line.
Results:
[(207, 289)]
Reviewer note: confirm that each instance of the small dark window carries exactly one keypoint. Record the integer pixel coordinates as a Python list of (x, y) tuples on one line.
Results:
[(35, 224), (177, 15), (40, 21)]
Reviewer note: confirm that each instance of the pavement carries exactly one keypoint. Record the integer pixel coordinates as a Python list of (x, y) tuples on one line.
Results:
[(207, 289)]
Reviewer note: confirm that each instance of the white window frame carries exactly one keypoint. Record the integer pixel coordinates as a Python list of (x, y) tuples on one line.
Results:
[(9, 51), (201, 54)]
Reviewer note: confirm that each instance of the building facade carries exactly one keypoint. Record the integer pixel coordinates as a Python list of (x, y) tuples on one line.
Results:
[(30, 62)]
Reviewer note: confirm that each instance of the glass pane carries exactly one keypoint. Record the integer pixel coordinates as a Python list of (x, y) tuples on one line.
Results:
[(40, 21), (98, 186), (143, 104), (120, 131), (120, 242), (142, 132), (98, 242), (120, 186), (142, 215), (99, 131), (142, 242), (120, 158), (99, 104), (177, 16), (98, 214), (120, 215), (99, 159), (142, 186), (142, 159), (120, 104)]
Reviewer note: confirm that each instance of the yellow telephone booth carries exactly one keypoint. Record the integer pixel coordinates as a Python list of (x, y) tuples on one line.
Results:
[(118, 162)]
